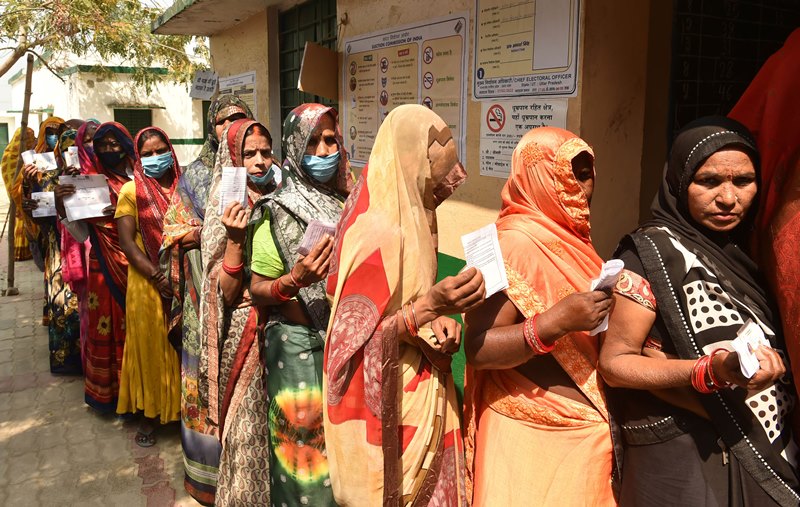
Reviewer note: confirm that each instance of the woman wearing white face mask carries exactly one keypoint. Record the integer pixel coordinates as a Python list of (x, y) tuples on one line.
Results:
[(292, 288), (150, 379)]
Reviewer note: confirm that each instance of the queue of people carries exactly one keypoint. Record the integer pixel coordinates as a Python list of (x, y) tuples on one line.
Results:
[(325, 378)]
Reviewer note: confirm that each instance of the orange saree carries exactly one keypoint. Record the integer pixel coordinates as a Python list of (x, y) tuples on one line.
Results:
[(527, 445)]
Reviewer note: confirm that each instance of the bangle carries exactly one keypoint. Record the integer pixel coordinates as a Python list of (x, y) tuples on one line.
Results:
[(232, 270), (532, 337), (699, 371), (295, 281), (717, 385), (275, 291), (413, 330), (154, 275)]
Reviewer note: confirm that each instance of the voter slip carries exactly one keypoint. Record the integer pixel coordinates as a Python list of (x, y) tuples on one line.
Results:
[(482, 251), (609, 274), (315, 231), (749, 337)]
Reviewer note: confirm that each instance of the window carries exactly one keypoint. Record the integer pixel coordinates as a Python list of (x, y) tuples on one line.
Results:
[(134, 119), (313, 21), (204, 119), (4, 137)]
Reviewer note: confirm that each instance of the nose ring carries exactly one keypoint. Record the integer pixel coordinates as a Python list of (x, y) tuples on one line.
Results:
[(737, 198)]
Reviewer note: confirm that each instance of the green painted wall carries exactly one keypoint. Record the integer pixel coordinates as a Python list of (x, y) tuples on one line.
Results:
[(449, 266)]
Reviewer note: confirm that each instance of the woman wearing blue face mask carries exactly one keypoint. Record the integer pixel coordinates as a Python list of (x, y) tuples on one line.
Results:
[(292, 288), (150, 378)]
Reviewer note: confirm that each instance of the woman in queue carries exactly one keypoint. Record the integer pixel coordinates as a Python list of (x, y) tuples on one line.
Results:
[(687, 414)]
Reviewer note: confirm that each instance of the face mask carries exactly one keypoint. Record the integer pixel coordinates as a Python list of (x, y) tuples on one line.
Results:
[(157, 165), (321, 169), (262, 181), (110, 159), (51, 140)]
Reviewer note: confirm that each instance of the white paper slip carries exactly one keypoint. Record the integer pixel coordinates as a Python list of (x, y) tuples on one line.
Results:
[(482, 250), (233, 187), (609, 274), (71, 157), (314, 233), (45, 161), (91, 196), (27, 157), (749, 337), (45, 204)]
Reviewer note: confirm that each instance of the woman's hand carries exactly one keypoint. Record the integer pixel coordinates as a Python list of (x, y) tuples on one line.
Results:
[(30, 173), (454, 294), (314, 266), (235, 218), (580, 311), (162, 284), (60, 192), (448, 333), (727, 369), (72, 171), (28, 205)]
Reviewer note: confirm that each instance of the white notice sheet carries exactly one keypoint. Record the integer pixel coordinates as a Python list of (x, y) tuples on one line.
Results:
[(314, 233), (91, 196), (482, 250), (45, 204), (609, 274), (233, 187)]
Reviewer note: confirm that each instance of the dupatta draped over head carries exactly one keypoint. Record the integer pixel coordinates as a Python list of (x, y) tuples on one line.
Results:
[(12, 181), (688, 267), (52, 122), (391, 423)]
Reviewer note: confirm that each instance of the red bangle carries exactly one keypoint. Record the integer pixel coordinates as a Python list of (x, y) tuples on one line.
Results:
[(232, 270), (718, 385), (276, 293), (699, 376), (532, 337), (413, 330), (295, 281)]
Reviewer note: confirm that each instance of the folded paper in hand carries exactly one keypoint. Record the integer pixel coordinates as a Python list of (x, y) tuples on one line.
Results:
[(749, 337), (315, 231), (45, 204), (609, 274), (232, 187), (91, 196), (42, 161), (482, 251), (71, 157)]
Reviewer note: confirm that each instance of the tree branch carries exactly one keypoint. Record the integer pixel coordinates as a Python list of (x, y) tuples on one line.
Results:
[(52, 71)]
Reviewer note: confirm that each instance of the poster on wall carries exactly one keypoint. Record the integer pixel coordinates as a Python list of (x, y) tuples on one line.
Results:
[(504, 122), (204, 84), (243, 86), (526, 48), (424, 63)]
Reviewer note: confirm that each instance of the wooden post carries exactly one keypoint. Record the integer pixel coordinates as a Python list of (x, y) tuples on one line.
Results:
[(11, 290)]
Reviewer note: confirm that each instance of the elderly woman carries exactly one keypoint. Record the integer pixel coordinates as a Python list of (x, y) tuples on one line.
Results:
[(234, 372), (534, 403), (182, 264), (391, 417), (689, 437), (317, 181)]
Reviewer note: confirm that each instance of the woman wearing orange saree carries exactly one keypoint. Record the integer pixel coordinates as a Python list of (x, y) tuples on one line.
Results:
[(536, 417), (22, 251), (391, 418)]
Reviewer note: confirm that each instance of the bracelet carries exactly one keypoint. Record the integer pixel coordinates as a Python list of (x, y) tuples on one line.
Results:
[(413, 330), (295, 281), (275, 291), (532, 337), (717, 385), (154, 275), (232, 270), (699, 376)]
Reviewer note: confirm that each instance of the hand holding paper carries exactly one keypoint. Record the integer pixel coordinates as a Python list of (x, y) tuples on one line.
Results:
[(482, 250), (749, 337), (45, 204), (90, 199), (232, 187), (609, 274), (315, 231)]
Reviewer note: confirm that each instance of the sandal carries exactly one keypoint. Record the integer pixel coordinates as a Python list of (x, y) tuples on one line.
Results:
[(145, 438)]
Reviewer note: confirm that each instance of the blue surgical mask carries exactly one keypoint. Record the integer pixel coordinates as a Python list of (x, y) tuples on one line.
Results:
[(51, 140), (262, 181), (157, 165), (321, 169)]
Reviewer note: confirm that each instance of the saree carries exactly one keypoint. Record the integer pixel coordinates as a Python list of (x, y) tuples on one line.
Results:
[(294, 353), (769, 108), (391, 418), (22, 251), (201, 447), (705, 287), (61, 302), (106, 285), (513, 425), (150, 373), (234, 383)]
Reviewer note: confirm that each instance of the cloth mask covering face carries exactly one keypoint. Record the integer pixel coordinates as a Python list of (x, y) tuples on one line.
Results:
[(157, 165), (110, 159), (89, 147), (321, 169), (51, 140), (262, 181)]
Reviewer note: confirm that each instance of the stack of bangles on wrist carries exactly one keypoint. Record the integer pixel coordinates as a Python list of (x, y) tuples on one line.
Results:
[(295, 281), (703, 379), (275, 291), (232, 270), (532, 337), (410, 319)]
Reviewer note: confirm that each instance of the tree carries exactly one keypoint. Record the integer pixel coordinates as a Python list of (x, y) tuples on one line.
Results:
[(106, 28)]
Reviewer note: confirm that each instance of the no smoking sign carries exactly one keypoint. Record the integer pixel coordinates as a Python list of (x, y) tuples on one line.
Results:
[(496, 118)]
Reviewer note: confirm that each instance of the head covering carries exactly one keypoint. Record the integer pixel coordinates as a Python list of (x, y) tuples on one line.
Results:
[(196, 180), (86, 159), (65, 140), (385, 256), (301, 200), (52, 122), (115, 180), (151, 201), (13, 183)]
